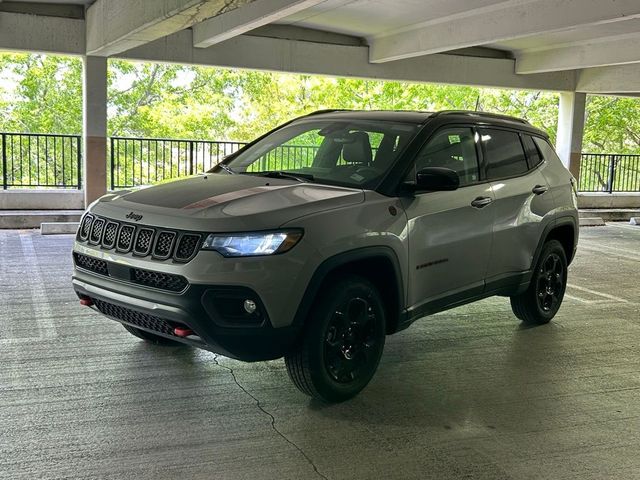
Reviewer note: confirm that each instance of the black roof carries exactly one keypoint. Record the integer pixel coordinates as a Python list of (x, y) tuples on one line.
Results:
[(421, 117)]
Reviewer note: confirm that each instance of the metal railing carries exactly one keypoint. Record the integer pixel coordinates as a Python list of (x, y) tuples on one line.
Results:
[(30, 160), (609, 173), (141, 161), (38, 160)]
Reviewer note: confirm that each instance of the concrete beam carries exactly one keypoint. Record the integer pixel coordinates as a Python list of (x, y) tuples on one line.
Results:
[(618, 79), (36, 33), (242, 20), (114, 26), (603, 52), (284, 55), (494, 23)]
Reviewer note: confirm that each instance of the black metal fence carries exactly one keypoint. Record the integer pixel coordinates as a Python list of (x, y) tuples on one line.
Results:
[(142, 161), (609, 173), (36, 160), (55, 161)]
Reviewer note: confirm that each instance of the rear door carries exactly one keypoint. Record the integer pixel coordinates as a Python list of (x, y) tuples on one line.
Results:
[(522, 201), (449, 233)]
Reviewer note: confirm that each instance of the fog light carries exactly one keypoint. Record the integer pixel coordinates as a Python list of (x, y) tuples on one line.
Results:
[(250, 306)]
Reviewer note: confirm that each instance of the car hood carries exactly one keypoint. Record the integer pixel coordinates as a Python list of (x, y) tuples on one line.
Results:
[(221, 202)]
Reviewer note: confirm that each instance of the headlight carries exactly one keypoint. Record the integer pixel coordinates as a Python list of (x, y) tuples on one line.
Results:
[(252, 244)]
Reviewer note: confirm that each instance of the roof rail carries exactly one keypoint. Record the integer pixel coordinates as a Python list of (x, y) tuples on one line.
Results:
[(471, 113), (327, 110)]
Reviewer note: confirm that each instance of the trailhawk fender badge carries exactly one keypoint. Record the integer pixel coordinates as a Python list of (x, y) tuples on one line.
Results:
[(134, 216)]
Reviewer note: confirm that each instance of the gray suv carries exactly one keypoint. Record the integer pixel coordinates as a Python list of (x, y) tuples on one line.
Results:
[(332, 231)]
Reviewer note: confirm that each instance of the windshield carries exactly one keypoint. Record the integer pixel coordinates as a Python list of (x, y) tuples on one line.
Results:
[(352, 153)]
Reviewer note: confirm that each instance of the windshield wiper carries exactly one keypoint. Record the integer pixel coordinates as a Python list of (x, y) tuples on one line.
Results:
[(300, 177), (229, 170)]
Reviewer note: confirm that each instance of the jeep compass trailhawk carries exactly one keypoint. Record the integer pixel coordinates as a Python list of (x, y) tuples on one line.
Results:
[(332, 231)]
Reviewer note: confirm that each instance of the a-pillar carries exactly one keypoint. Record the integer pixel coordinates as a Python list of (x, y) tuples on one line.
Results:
[(571, 130), (94, 128)]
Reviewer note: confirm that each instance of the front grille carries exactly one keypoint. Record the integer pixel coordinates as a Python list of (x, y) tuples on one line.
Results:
[(142, 240), (164, 244), (125, 238), (110, 235), (163, 281), (94, 265), (133, 317), (86, 227), (187, 247), (142, 245), (96, 231)]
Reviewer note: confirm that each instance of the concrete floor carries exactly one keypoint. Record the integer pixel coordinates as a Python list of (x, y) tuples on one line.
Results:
[(468, 393)]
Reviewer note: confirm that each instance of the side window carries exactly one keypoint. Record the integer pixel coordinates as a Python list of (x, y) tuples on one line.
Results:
[(533, 156), (504, 153), (452, 148), (547, 150)]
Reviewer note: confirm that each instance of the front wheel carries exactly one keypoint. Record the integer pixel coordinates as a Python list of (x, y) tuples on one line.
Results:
[(343, 342), (541, 301)]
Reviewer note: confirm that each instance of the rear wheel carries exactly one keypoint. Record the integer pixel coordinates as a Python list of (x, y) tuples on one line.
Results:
[(541, 301), (343, 342), (151, 338)]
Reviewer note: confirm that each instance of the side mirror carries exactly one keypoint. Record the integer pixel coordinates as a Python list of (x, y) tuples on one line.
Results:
[(436, 179)]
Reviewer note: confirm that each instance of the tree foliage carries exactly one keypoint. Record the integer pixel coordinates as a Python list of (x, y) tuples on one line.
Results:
[(43, 93)]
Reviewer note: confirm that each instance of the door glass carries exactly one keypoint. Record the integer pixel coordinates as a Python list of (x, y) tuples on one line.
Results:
[(505, 156), (452, 148)]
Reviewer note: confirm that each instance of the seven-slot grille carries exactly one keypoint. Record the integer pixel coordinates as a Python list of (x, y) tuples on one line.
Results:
[(125, 238), (95, 237), (143, 241)]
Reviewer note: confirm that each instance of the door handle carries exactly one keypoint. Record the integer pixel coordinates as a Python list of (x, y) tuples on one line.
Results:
[(481, 202), (539, 189)]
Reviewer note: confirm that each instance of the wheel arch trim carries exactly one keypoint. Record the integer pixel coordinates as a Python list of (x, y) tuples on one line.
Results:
[(342, 259)]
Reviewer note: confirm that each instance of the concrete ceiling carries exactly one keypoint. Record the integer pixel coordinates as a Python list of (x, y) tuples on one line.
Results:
[(589, 45)]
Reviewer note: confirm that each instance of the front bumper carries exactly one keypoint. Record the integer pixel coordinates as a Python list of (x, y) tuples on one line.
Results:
[(158, 312)]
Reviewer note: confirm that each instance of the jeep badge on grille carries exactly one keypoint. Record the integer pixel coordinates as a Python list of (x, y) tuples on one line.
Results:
[(134, 216)]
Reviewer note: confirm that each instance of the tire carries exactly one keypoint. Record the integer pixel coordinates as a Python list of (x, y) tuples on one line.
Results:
[(343, 342), (151, 338), (542, 299)]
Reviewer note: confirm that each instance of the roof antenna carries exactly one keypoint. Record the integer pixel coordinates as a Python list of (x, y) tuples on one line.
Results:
[(477, 103)]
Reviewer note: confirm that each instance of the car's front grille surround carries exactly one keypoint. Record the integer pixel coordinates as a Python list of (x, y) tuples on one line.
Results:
[(125, 238), (141, 240), (110, 235), (95, 237), (85, 228), (187, 247), (163, 245)]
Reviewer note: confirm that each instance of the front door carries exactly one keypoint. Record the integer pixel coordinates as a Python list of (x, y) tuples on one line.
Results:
[(449, 233)]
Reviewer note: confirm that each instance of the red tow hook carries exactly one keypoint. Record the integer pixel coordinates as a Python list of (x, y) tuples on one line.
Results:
[(182, 332), (86, 302)]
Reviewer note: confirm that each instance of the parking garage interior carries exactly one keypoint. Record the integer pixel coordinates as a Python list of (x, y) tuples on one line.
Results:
[(466, 393)]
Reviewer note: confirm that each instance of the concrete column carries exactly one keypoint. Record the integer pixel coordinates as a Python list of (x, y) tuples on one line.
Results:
[(94, 128), (571, 130)]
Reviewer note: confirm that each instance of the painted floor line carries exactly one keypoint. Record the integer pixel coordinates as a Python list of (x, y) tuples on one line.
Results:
[(626, 227), (635, 258), (600, 294), (634, 253), (42, 310)]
